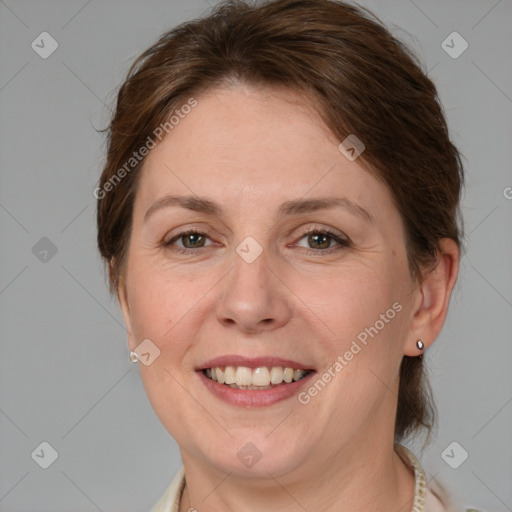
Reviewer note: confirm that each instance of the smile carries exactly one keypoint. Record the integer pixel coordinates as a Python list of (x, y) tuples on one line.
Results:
[(254, 381), (242, 377)]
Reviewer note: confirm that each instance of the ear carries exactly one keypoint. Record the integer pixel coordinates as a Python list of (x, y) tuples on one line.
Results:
[(433, 298), (122, 296)]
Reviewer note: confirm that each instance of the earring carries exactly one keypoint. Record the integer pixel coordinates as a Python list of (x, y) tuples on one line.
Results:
[(420, 344), (134, 357)]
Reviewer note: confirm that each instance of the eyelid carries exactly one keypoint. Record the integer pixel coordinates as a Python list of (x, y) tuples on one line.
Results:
[(321, 229), (178, 232)]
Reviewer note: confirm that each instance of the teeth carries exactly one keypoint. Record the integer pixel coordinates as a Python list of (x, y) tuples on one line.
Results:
[(288, 374), (229, 375), (297, 374), (276, 375), (241, 377), (260, 377)]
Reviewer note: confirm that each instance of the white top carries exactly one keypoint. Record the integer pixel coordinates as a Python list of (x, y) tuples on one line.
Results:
[(429, 497)]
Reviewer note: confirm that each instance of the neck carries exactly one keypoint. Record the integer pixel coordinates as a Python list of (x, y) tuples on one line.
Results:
[(369, 478)]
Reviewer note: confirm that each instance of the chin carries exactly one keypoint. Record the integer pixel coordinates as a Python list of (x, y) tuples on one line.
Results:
[(255, 456)]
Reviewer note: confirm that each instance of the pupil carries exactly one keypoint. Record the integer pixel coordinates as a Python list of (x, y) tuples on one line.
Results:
[(194, 237), (317, 237)]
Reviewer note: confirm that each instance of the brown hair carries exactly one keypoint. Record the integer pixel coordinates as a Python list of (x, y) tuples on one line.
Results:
[(360, 79)]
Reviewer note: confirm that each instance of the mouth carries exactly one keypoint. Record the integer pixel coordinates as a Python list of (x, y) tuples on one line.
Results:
[(258, 378), (254, 382)]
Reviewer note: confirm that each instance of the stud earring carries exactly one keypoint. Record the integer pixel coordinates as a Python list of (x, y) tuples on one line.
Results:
[(420, 344), (134, 358)]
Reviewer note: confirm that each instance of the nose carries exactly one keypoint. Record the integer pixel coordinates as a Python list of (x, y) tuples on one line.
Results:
[(255, 297)]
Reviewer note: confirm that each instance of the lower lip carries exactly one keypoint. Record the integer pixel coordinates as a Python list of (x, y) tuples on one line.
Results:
[(253, 397)]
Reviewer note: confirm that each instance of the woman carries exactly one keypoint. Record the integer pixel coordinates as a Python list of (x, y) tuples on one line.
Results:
[(279, 213)]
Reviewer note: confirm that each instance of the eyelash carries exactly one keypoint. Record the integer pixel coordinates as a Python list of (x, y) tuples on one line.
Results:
[(343, 242)]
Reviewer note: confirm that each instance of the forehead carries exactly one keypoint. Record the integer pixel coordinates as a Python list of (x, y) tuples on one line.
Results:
[(255, 146)]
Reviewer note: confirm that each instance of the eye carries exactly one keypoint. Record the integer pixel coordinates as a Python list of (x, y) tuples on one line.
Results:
[(191, 240), (320, 240)]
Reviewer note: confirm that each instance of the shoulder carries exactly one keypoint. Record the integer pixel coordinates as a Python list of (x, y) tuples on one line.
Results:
[(170, 500), (438, 499), (430, 496)]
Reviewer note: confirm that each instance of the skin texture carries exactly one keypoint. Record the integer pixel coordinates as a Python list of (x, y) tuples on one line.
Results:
[(251, 149)]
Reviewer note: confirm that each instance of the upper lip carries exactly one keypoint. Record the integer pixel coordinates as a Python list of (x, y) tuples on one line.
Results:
[(253, 362)]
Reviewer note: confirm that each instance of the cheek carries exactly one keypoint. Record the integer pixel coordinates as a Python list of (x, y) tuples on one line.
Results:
[(153, 308), (164, 305), (349, 302), (159, 305)]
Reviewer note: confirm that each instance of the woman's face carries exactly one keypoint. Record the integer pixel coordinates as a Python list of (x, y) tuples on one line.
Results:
[(250, 286)]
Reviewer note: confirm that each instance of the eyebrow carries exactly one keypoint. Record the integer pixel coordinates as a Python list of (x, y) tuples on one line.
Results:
[(293, 207)]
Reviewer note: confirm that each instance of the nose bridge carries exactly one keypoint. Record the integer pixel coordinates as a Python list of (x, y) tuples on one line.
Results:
[(253, 298)]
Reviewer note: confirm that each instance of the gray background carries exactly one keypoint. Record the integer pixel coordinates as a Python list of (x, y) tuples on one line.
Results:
[(65, 375)]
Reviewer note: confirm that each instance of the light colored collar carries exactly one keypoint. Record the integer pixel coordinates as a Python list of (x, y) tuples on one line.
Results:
[(170, 501), (420, 480)]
